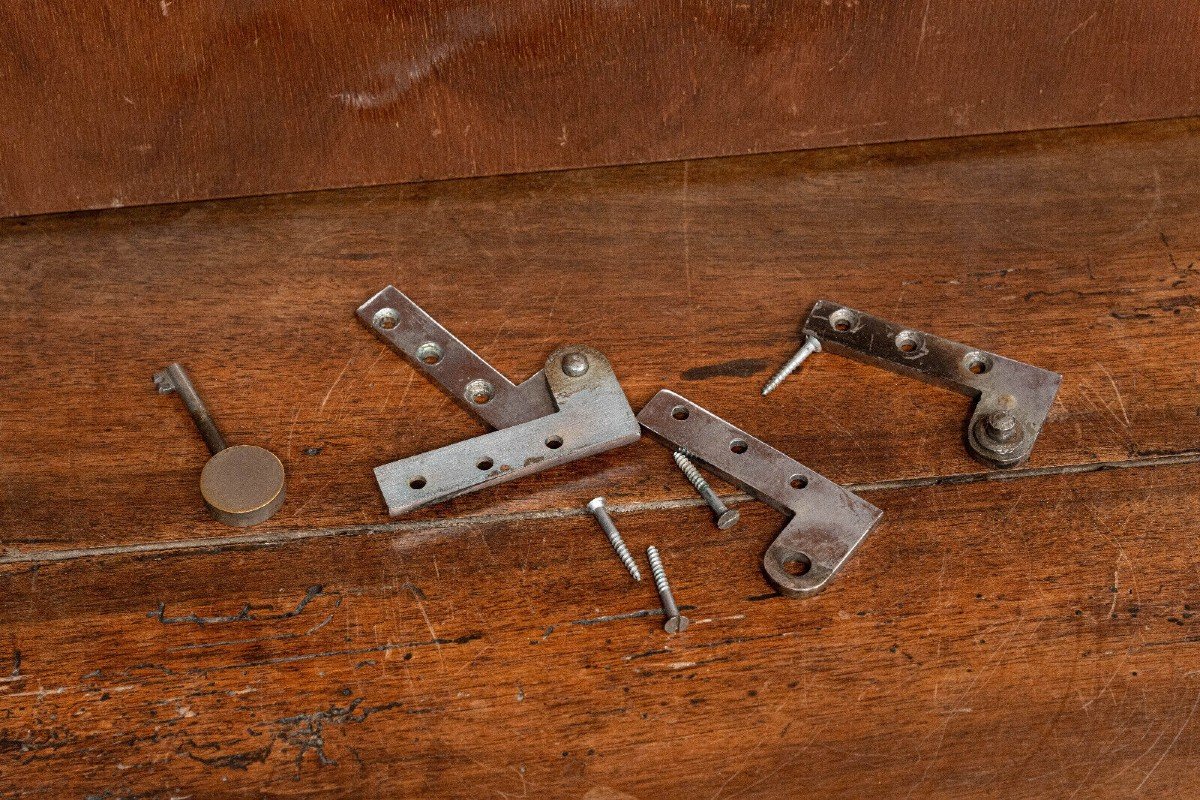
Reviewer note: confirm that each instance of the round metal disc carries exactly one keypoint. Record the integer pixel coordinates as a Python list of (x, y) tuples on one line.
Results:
[(242, 485)]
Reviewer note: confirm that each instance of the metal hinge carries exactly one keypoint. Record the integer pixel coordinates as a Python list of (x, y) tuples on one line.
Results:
[(1013, 398), (572, 408), (827, 522)]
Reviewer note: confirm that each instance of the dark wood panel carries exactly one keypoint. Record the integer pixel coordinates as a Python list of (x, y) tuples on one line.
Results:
[(1071, 250), (1026, 639), (123, 103)]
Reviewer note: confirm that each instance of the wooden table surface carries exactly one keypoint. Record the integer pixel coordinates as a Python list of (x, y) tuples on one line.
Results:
[(1029, 633)]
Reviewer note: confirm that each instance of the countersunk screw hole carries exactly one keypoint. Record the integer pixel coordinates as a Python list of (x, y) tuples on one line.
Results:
[(907, 342), (738, 446), (797, 565), (479, 392), (843, 320), (554, 442), (977, 363), (386, 318), (798, 482), (485, 464), (430, 353), (680, 412), (417, 482)]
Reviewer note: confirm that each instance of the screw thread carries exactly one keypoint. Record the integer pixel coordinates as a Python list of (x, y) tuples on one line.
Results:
[(614, 538), (689, 470), (676, 622), (625, 556), (660, 582), (810, 346), (725, 517)]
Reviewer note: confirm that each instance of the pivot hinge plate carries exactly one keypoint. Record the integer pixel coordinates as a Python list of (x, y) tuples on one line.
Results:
[(572, 408), (1013, 398), (827, 522)]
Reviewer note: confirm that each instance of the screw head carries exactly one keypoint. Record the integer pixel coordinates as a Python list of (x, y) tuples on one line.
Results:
[(728, 519), (677, 624), (575, 364), (595, 503)]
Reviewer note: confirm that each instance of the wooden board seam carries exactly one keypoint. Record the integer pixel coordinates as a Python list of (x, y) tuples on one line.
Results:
[(435, 526)]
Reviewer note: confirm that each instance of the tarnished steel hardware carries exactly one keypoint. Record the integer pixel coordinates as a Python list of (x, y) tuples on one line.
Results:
[(604, 519), (572, 408), (724, 516), (675, 622), (241, 485), (1012, 398), (827, 522)]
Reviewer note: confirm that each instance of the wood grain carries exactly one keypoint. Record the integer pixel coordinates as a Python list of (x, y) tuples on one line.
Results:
[(1026, 639), (1073, 250), (125, 103)]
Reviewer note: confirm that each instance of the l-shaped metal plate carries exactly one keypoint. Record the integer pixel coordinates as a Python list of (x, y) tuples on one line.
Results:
[(559, 415), (1016, 395), (827, 523)]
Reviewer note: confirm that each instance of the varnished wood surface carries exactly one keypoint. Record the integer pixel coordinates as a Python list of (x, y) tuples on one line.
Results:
[(1024, 634), (124, 103), (1073, 251), (1027, 639)]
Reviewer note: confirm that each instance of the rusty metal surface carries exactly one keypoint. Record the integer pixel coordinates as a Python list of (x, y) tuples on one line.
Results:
[(827, 521), (455, 367), (1012, 398), (571, 409)]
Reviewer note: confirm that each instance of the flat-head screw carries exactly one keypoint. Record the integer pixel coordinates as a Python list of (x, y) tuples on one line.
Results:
[(596, 506), (811, 345), (726, 517), (676, 622)]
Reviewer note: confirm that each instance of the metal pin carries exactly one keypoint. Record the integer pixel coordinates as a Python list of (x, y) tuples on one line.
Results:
[(173, 378), (596, 506), (726, 517), (811, 345), (241, 485), (676, 622)]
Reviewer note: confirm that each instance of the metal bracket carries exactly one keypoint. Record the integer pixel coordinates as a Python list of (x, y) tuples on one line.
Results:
[(1013, 398), (827, 523), (572, 408)]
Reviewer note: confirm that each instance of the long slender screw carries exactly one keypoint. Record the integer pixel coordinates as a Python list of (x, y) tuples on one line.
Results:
[(726, 517), (610, 530), (676, 622), (811, 345)]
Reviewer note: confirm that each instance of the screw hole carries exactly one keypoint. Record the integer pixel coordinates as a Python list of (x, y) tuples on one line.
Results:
[(738, 446), (479, 392), (977, 363), (554, 442), (430, 353), (797, 565), (386, 318), (417, 482), (908, 342), (798, 482), (485, 464), (680, 412), (843, 320)]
